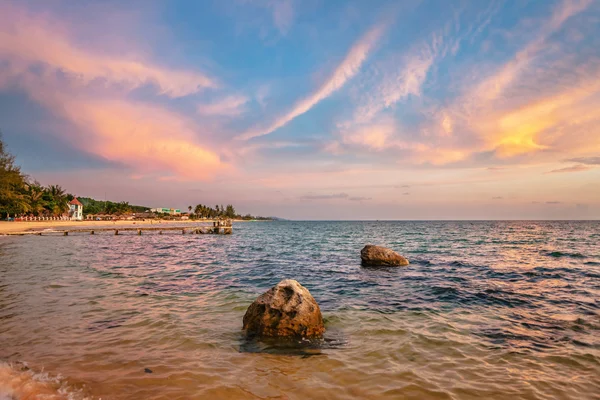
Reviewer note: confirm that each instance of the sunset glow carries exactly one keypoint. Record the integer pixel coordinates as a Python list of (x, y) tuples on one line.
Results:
[(406, 110)]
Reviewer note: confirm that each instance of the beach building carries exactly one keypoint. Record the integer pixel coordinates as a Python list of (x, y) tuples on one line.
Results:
[(75, 210), (170, 211)]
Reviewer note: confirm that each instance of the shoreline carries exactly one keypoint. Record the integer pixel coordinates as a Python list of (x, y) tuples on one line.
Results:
[(30, 226)]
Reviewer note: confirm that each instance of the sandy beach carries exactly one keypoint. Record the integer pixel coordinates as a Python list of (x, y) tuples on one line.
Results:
[(11, 227)]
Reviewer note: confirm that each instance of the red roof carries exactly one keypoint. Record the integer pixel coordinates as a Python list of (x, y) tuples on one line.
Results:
[(76, 202)]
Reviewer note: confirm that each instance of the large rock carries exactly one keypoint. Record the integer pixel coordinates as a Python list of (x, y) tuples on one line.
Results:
[(286, 310), (377, 256)]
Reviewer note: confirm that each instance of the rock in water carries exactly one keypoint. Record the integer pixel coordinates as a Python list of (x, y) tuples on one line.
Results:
[(286, 310), (377, 256)]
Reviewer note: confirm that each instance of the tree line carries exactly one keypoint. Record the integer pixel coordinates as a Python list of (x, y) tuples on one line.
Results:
[(202, 211), (91, 206)]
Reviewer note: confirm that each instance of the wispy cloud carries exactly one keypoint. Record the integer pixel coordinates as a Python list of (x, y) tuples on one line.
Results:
[(498, 82), (359, 198), (401, 76), (283, 14), (281, 11), (574, 168), (229, 107), (334, 196), (586, 160), (325, 196), (345, 71), (501, 116)]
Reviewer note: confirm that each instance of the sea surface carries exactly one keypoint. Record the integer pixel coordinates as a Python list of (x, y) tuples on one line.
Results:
[(486, 310)]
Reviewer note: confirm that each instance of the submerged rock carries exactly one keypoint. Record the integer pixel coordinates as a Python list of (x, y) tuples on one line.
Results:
[(286, 310), (377, 256)]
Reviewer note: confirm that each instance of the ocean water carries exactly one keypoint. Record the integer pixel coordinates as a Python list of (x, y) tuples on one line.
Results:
[(495, 310)]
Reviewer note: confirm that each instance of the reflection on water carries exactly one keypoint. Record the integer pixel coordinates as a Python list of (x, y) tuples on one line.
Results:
[(497, 310)]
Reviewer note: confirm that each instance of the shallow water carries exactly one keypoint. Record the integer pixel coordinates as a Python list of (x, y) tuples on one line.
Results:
[(499, 310)]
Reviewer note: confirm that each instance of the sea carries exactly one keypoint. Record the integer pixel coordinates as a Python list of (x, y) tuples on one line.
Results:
[(485, 310)]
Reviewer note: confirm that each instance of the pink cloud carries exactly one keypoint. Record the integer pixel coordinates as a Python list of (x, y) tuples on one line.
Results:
[(230, 106), (150, 139), (574, 168), (147, 138), (27, 39)]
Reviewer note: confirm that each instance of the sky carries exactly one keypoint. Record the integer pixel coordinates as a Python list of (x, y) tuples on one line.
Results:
[(313, 109)]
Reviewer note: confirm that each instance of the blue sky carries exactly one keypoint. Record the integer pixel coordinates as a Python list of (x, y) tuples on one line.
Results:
[(314, 109)]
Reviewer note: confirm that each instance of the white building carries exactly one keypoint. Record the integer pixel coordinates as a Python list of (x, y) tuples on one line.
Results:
[(170, 211), (75, 210)]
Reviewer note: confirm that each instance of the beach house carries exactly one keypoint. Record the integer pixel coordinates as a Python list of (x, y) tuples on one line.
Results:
[(75, 210)]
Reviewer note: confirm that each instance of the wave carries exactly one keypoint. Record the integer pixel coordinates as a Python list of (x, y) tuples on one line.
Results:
[(17, 381), (559, 254)]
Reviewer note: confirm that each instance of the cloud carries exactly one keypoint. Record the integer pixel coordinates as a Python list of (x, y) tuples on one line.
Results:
[(539, 102), (325, 196), (334, 196), (39, 56), (283, 14), (497, 198), (230, 106), (586, 160), (497, 83), (406, 194), (345, 71), (148, 139), (554, 202), (374, 137), (396, 83), (574, 168), (359, 198), (30, 41)]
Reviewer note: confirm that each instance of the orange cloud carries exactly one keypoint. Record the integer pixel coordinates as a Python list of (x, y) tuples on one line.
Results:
[(147, 138), (511, 121), (574, 168), (27, 40)]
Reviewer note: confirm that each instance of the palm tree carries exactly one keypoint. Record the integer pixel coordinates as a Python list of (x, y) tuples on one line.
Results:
[(58, 197), (35, 193)]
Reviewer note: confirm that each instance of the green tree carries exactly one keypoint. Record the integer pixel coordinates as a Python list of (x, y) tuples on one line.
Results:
[(230, 211), (13, 198), (35, 195)]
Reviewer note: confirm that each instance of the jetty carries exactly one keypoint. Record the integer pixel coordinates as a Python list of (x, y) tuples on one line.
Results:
[(217, 228)]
